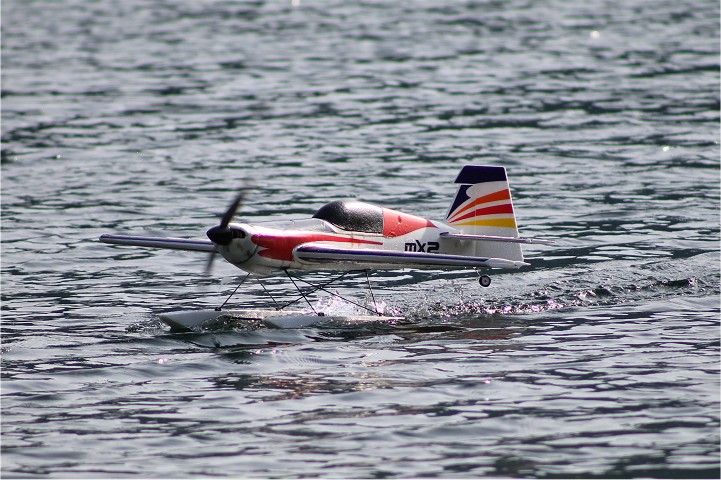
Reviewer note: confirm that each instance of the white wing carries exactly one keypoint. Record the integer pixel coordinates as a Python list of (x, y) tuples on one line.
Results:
[(160, 242)]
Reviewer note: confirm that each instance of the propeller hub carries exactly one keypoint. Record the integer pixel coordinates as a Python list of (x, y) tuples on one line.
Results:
[(220, 235)]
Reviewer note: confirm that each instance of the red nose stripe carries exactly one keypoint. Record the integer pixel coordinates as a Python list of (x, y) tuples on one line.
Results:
[(280, 247)]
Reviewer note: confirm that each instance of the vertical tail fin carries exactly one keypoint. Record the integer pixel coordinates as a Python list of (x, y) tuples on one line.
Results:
[(483, 203), (483, 206)]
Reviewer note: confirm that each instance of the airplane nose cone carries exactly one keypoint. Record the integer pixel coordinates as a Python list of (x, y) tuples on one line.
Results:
[(220, 235)]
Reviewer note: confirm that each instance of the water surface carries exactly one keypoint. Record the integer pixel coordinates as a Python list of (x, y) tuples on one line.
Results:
[(601, 360)]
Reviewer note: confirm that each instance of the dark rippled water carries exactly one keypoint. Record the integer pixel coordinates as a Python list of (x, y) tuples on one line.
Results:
[(602, 360)]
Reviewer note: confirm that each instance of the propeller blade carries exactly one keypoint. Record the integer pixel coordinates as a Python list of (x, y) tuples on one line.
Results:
[(221, 234), (230, 212), (209, 263)]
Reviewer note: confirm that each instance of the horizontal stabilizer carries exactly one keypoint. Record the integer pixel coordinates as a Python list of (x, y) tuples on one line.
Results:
[(160, 242), (323, 254), (493, 238)]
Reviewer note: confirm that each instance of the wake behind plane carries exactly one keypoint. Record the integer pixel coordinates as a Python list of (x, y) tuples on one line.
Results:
[(479, 232)]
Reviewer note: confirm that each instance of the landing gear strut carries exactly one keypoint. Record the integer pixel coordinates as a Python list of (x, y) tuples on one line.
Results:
[(484, 280), (303, 295)]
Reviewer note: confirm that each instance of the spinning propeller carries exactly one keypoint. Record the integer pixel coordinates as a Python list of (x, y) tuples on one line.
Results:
[(222, 234)]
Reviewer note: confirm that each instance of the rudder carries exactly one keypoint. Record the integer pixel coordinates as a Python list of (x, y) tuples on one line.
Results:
[(483, 206)]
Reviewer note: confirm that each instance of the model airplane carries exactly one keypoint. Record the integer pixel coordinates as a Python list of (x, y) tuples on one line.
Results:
[(479, 232)]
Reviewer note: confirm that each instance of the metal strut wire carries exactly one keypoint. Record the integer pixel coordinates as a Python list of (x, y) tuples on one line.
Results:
[(322, 287), (314, 288), (218, 309), (299, 291)]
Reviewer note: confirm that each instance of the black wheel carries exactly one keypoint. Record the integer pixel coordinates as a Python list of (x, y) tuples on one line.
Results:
[(485, 281)]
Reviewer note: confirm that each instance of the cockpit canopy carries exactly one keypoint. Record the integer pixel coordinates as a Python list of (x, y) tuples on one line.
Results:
[(352, 215)]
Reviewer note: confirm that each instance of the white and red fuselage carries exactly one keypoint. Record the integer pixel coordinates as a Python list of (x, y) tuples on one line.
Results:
[(479, 232), (264, 248), (351, 235)]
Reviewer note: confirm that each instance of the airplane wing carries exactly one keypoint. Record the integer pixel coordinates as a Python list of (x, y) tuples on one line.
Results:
[(315, 253), (160, 242)]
